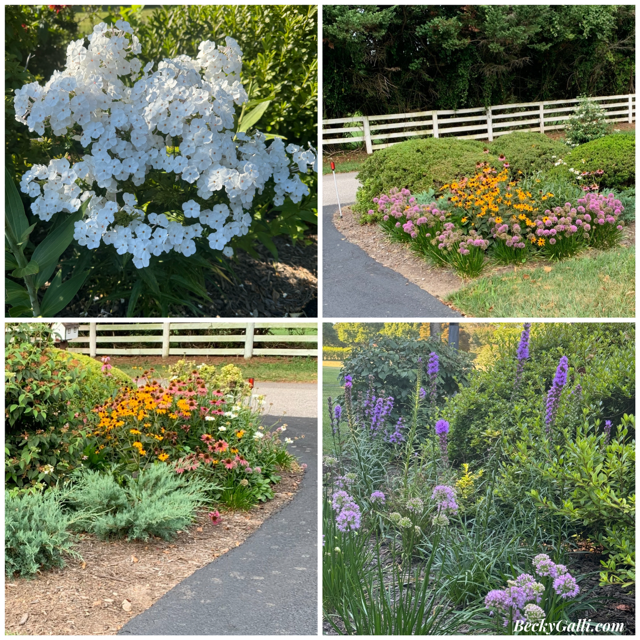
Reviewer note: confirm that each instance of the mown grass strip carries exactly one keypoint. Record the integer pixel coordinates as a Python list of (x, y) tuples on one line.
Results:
[(601, 285)]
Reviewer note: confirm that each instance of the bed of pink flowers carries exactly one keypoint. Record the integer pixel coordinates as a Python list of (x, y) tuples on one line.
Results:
[(444, 238)]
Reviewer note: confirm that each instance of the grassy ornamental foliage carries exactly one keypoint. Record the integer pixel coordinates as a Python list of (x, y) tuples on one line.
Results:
[(614, 154), (419, 165), (528, 151)]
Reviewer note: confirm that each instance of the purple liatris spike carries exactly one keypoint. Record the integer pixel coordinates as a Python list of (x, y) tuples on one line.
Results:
[(442, 429), (348, 381), (433, 367), (423, 393), (523, 351), (607, 432), (553, 397)]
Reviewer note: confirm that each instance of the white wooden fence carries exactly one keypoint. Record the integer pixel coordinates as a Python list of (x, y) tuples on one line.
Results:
[(478, 123), (167, 336)]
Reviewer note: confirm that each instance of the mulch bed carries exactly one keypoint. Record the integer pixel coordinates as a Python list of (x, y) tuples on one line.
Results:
[(438, 281), (264, 287), (115, 581)]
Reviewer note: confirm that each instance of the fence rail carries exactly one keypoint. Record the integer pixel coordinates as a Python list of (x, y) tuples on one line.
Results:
[(480, 124), (169, 340)]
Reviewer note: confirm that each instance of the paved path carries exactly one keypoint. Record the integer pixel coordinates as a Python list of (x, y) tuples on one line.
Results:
[(268, 585), (357, 286)]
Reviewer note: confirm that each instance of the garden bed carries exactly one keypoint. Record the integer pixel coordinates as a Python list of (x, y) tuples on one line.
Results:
[(262, 287), (116, 580), (441, 282)]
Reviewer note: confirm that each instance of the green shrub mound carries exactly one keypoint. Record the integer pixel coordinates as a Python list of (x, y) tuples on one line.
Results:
[(418, 165), (36, 532), (614, 154), (489, 410), (528, 151), (389, 365), (157, 502), (96, 386), (49, 397)]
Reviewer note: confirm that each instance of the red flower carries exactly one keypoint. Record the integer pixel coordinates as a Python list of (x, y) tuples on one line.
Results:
[(215, 517)]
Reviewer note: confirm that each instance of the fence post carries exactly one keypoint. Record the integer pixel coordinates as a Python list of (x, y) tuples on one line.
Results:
[(541, 118), (435, 124), (367, 134), (454, 335), (489, 125), (630, 108), (248, 341), (166, 328), (93, 343)]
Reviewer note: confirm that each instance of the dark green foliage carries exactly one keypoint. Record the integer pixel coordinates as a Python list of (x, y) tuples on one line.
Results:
[(381, 59), (280, 54), (157, 502), (614, 154), (528, 151), (36, 39), (489, 410), (36, 535), (418, 165), (49, 395), (393, 363)]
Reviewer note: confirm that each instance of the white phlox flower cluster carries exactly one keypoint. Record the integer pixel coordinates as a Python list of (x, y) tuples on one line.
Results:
[(178, 119)]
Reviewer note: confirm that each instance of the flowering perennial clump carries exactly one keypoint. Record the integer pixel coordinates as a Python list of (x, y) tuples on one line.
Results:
[(130, 121), (521, 599), (553, 397), (445, 498), (442, 429), (347, 510)]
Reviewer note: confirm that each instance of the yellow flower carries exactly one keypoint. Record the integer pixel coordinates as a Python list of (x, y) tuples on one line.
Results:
[(498, 220), (173, 416), (233, 450), (135, 432), (464, 220), (540, 242), (163, 456), (240, 433)]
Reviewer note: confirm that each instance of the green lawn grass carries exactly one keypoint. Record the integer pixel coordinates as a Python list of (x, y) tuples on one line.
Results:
[(330, 387), (343, 167), (601, 285), (293, 369)]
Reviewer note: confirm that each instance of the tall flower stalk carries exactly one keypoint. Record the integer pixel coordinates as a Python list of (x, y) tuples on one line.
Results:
[(553, 397), (433, 367), (522, 354)]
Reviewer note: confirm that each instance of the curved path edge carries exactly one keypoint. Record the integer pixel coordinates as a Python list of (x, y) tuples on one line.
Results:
[(266, 586)]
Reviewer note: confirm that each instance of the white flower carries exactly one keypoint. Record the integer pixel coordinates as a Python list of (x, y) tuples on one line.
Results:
[(128, 119), (288, 440), (222, 428), (209, 418), (258, 435)]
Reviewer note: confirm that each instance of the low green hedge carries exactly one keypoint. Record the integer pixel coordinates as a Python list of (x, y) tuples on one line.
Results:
[(418, 165), (528, 151), (335, 353), (614, 154)]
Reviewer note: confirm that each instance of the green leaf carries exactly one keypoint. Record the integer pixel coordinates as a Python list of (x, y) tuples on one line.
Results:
[(21, 312), (251, 118), (15, 294), (31, 269), (48, 252), (15, 218), (59, 293), (133, 298), (9, 261), (268, 242), (26, 233)]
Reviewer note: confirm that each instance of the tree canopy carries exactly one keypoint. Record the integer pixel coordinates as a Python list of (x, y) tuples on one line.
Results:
[(396, 59)]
